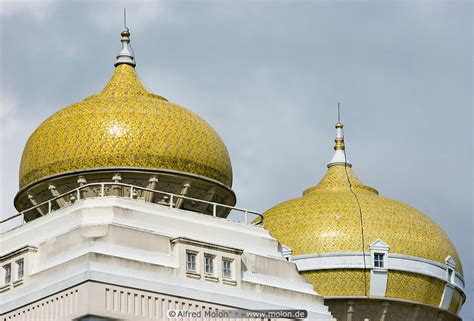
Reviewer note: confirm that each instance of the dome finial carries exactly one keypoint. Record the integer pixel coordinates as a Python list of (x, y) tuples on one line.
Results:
[(339, 157), (125, 56)]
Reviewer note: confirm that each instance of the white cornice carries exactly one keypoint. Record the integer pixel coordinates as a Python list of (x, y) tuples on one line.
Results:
[(108, 250), (354, 260)]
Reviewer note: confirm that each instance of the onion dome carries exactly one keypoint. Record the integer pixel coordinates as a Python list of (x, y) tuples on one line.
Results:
[(351, 242), (125, 128)]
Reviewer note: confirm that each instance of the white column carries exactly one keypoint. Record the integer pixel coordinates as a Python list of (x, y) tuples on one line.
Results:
[(378, 274)]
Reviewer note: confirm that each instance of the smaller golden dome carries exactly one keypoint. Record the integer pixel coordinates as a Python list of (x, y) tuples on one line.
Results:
[(326, 219), (342, 215)]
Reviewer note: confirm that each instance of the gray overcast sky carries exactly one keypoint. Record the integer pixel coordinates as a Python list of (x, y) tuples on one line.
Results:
[(267, 76)]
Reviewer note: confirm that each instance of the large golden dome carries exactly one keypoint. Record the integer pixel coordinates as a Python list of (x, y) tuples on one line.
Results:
[(125, 126)]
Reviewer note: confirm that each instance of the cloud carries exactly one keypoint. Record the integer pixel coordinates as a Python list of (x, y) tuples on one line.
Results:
[(30, 9)]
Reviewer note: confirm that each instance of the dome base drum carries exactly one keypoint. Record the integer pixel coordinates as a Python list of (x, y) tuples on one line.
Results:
[(169, 181)]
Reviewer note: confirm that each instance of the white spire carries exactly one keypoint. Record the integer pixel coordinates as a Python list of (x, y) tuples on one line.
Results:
[(339, 157), (125, 56)]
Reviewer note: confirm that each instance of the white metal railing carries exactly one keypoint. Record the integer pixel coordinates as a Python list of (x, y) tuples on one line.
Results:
[(75, 194)]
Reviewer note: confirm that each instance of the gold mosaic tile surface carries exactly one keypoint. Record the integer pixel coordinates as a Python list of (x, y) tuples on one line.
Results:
[(336, 180), (340, 282), (125, 126), (326, 219), (414, 287)]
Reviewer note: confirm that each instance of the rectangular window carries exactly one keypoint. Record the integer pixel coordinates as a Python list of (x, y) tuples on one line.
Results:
[(191, 261), (20, 268), (378, 260), (208, 264), (8, 273), (226, 269)]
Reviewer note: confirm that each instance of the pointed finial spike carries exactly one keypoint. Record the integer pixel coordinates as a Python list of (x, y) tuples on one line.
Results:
[(338, 112), (339, 157), (125, 56), (125, 19)]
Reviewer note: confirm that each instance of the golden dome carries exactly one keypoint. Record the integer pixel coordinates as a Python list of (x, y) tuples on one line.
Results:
[(125, 126), (326, 219)]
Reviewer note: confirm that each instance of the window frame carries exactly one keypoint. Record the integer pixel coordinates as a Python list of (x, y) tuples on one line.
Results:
[(191, 254), (211, 265), (379, 260), (20, 271), (8, 273), (230, 269)]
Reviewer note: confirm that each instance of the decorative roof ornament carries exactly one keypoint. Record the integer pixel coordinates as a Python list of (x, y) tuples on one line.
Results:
[(125, 56), (339, 157)]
